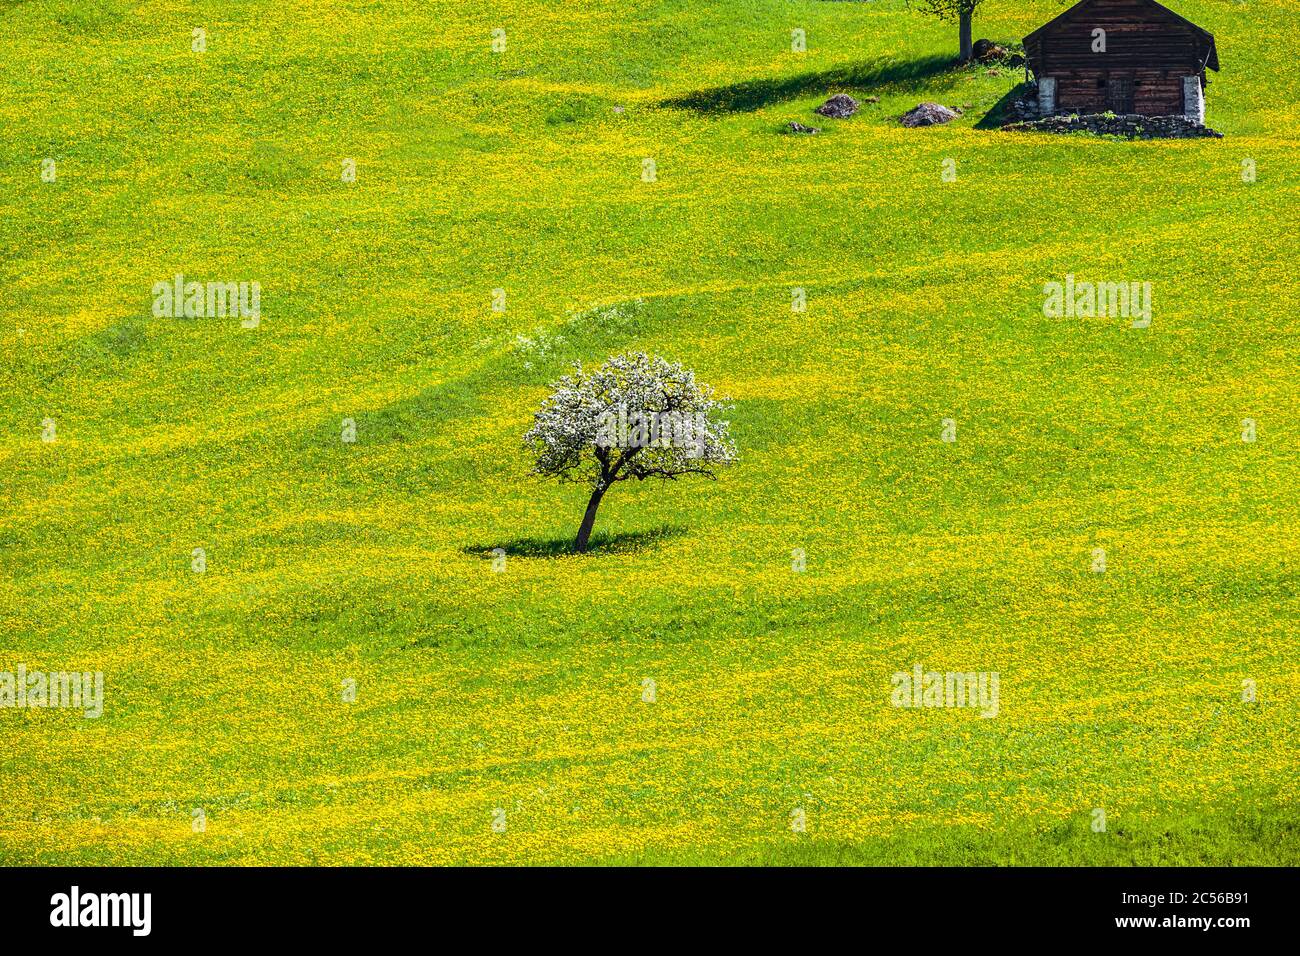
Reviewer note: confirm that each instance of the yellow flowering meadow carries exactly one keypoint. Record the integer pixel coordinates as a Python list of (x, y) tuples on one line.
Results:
[(310, 651)]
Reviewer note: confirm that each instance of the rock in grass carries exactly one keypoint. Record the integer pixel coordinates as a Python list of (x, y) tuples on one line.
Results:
[(839, 106), (928, 114), (797, 127), (986, 51)]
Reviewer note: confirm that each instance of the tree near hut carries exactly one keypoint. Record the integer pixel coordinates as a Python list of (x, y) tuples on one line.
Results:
[(963, 11), (637, 416)]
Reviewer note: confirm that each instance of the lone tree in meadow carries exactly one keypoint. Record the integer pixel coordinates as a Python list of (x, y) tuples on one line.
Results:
[(960, 10), (637, 416)]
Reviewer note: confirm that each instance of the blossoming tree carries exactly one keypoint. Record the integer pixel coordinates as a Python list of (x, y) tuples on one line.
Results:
[(960, 10), (637, 416)]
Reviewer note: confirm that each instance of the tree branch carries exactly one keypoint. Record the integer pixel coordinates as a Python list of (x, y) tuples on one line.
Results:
[(644, 473)]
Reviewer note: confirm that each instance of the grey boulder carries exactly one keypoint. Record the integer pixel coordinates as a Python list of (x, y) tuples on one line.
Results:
[(839, 106), (928, 114)]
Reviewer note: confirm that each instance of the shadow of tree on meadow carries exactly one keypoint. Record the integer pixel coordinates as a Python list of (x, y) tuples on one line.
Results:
[(623, 542), (753, 95)]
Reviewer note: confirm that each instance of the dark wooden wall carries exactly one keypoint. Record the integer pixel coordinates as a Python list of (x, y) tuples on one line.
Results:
[(1155, 93), (1138, 37)]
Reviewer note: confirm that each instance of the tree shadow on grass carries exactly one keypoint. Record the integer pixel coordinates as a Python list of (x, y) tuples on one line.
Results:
[(624, 542), (755, 94)]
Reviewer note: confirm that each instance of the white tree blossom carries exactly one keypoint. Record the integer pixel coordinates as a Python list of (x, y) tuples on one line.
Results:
[(637, 416)]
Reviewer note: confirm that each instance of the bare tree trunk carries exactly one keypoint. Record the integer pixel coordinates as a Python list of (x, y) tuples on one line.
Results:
[(589, 519), (967, 50)]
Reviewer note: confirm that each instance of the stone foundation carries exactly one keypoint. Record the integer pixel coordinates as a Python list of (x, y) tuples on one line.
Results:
[(1046, 96), (1130, 126), (1193, 100)]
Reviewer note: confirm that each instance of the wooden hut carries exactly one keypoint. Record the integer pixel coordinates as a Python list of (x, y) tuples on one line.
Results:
[(1123, 56)]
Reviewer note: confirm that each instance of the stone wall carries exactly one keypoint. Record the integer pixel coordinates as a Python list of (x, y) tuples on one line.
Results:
[(1193, 99), (1129, 125)]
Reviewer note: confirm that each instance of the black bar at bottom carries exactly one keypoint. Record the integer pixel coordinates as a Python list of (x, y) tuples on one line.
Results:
[(339, 906)]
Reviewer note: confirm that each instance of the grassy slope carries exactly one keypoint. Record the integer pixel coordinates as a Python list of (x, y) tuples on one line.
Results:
[(522, 690)]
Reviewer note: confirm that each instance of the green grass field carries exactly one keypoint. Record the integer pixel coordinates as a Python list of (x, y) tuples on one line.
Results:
[(515, 696)]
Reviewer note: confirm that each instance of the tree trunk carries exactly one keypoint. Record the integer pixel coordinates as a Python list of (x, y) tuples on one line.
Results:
[(589, 519), (967, 51)]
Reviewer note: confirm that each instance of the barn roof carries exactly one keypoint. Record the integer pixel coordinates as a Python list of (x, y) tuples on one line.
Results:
[(1212, 54)]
